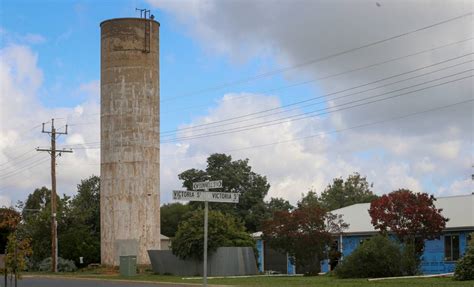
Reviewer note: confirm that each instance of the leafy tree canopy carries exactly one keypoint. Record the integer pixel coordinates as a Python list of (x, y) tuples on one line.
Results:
[(407, 215), (341, 193), (303, 233), (81, 237), (237, 176), (277, 204), (412, 217), (9, 220), (78, 223), (171, 215), (223, 231), (37, 221), (310, 199)]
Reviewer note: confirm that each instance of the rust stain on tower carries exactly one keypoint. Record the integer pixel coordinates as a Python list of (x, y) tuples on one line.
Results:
[(130, 140)]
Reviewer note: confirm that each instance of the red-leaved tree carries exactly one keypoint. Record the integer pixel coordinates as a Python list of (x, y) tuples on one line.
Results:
[(303, 233), (411, 217)]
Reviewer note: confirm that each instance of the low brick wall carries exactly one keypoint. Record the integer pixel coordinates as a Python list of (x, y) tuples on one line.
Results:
[(226, 261)]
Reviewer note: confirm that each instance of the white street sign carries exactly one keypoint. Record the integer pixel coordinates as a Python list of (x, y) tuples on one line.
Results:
[(188, 195), (211, 196), (230, 197), (207, 184)]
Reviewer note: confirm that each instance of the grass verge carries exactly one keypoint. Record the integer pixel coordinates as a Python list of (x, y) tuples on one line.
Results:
[(322, 281)]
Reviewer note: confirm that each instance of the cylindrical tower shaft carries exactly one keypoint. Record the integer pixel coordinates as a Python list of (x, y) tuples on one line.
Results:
[(130, 140)]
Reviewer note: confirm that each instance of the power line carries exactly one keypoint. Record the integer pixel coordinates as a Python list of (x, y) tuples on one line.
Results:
[(333, 75), (17, 157), (359, 103), (323, 133), (22, 162), (346, 129), (214, 124), (29, 166), (312, 113), (323, 96), (312, 80), (312, 61)]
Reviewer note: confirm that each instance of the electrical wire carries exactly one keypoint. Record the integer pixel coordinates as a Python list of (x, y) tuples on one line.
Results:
[(345, 129), (325, 133), (193, 127), (20, 162), (17, 157), (31, 165), (327, 76), (316, 60), (312, 113)]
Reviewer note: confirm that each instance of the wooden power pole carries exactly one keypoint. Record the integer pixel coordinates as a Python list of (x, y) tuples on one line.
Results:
[(54, 225)]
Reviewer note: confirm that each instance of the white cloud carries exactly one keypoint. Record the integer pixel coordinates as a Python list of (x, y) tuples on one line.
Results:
[(34, 38), (297, 166), (5, 201), (9, 37), (423, 152), (457, 187), (22, 168)]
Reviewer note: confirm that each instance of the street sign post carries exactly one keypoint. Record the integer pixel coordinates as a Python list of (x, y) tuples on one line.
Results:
[(201, 192)]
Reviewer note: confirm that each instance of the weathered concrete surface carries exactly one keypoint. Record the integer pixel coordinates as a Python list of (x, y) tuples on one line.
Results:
[(226, 261), (130, 140)]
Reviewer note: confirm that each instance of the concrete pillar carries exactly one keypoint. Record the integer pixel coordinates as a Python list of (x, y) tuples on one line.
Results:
[(130, 139)]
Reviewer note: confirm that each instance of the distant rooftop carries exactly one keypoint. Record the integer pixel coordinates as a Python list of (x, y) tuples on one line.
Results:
[(459, 209)]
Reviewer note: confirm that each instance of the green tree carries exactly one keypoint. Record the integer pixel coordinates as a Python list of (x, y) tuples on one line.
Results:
[(223, 231), (237, 176), (81, 238), (78, 223), (277, 204), (310, 199), (36, 225), (465, 266), (355, 189), (171, 215)]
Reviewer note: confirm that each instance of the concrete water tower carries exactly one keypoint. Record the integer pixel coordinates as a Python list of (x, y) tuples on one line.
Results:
[(130, 139)]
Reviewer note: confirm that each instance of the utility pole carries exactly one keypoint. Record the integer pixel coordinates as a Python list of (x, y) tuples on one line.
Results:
[(54, 225)]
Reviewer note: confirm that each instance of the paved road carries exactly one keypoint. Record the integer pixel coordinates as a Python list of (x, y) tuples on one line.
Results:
[(63, 282)]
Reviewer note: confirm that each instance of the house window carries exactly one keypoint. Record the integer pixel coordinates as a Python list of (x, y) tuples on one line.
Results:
[(451, 247)]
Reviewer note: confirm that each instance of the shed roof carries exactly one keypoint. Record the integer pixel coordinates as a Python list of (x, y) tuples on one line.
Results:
[(459, 209)]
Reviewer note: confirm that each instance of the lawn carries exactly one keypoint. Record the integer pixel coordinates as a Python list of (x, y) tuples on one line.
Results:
[(279, 281)]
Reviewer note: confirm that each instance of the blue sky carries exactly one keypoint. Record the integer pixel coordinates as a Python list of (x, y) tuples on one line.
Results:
[(69, 55), (50, 66)]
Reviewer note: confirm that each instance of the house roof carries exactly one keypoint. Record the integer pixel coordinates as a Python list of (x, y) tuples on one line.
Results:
[(459, 209)]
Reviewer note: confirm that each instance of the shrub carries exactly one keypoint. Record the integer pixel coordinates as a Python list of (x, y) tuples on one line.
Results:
[(64, 265), (410, 260), (465, 266), (377, 257), (224, 230)]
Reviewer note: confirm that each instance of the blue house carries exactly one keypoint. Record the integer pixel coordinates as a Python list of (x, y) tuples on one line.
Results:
[(439, 256)]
